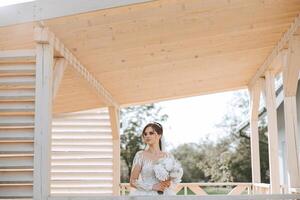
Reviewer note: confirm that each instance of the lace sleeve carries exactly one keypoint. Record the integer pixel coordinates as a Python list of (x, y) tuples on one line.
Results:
[(178, 173), (137, 161), (136, 181)]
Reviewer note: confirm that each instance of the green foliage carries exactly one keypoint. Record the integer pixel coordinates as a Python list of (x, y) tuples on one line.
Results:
[(215, 164), (133, 120), (229, 158), (239, 159), (189, 155)]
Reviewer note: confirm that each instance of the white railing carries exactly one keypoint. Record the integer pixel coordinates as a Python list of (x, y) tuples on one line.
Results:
[(208, 197), (260, 188), (295, 190), (229, 188)]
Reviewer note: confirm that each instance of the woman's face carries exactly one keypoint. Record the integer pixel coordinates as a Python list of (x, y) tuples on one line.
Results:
[(150, 136)]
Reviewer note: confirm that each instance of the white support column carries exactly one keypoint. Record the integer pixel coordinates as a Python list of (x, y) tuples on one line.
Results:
[(272, 132), (254, 108), (291, 65), (114, 121), (59, 68), (43, 118)]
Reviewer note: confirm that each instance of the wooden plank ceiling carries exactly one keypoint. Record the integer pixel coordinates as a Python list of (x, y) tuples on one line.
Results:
[(164, 49)]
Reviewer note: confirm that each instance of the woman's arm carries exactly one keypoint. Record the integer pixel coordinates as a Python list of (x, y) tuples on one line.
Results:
[(135, 173)]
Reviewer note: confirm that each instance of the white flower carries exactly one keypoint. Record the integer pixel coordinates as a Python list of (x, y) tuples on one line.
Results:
[(168, 168), (168, 163), (160, 172)]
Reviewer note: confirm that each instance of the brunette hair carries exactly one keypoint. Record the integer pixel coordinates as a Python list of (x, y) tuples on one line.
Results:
[(158, 129)]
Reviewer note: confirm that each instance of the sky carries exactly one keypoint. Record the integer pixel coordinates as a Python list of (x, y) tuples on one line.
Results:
[(192, 119), (12, 2)]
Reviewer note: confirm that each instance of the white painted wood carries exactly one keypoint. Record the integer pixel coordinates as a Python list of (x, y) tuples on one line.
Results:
[(82, 153), (17, 80), (115, 127), (290, 83), (292, 141), (8, 69), (277, 49), (59, 68), (17, 55), (238, 190), (272, 132), (46, 9), (43, 118), (16, 106), (17, 94), (17, 120), (17, 133), (291, 66), (197, 190), (179, 197), (254, 109)]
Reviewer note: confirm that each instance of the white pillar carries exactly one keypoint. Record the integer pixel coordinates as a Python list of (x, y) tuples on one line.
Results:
[(291, 66), (43, 121), (272, 132), (114, 121), (254, 108)]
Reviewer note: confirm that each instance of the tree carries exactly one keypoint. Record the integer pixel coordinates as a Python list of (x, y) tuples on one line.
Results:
[(133, 119), (240, 161), (216, 161), (189, 155)]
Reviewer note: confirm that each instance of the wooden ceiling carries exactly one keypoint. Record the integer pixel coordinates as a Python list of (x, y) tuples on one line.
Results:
[(163, 49)]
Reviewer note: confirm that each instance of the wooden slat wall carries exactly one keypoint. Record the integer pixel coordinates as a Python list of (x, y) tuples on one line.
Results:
[(17, 91), (82, 154)]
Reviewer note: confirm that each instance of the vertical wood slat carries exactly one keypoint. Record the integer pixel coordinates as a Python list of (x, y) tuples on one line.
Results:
[(43, 117), (254, 108), (291, 65), (114, 121), (272, 132), (82, 154)]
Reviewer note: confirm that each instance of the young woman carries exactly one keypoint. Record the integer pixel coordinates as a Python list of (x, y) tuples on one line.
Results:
[(142, 175)]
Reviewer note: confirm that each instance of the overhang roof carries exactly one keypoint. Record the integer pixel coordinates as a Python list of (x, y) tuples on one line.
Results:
[(163, 49)]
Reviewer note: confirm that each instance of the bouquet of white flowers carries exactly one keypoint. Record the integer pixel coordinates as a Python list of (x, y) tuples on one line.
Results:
[(168, 169)]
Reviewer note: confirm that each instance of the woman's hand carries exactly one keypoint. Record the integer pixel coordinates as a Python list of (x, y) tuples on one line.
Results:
[(166, 183), (161, 186), (158, 187)]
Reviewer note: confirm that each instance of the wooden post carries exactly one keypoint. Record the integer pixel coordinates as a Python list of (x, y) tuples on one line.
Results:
[(43, 119), (254, 108), (291, 65), (114, 121), (59, 68), (272, 132)]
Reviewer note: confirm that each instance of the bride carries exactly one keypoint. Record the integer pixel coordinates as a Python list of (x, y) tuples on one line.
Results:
[(142, 175)]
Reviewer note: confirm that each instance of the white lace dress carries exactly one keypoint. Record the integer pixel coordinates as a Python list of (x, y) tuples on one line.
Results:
[(147, 177)]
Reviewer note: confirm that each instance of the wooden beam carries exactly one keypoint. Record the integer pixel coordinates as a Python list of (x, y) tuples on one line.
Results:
[(279, 46), (114, 121), (291, 66), (43, 121), (254, 109), (59, 68), (43, 35), (272, 132)]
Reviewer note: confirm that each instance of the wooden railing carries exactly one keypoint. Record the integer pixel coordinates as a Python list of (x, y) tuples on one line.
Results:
[(295, 190), (260, 188), (230, 188)]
